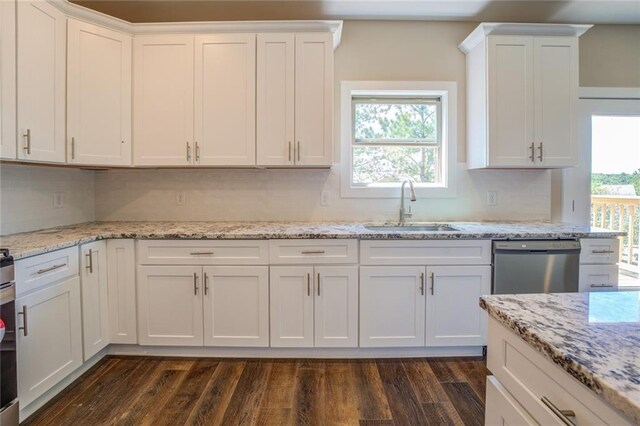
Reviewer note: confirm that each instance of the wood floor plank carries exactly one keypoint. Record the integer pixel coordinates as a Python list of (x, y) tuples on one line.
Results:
[(466, 403), (424, 381), (370, 391), (213, 403), (446, 370), (180, 405), (404, 404), (280, 389), (341, 398), (275, 416), (309, 406), (376, 423), (476, 374), (441, 413), (244, 406)]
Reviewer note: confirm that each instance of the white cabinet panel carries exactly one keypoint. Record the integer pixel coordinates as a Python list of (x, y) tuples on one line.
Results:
[(392, 306), (41, 50), (98, 95), (291, 302), (8, 79), (510, 91), (236, 306), (275, 99), (169, 305), (599, 250), (598, 278), (314, 99), (93, 279), (425, 252), (502, 408), (38, 271), (163, 100), (336, 306), (307, 252), (50, 344), (122, 291), (454, 316), (225, 103), (203, 252)]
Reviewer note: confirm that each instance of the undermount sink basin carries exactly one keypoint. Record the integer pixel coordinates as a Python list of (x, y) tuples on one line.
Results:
[(418, 227)]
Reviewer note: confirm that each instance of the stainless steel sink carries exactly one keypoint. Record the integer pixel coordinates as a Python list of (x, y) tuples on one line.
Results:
[(417, 227)]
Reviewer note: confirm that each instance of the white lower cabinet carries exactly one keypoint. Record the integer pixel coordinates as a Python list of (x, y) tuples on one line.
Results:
[(170, 305), (236, 306), (121, 283), (314, 306), (49, 342), (598, 278), (502, 408), (392, 306), (454, 317), (93, 279)]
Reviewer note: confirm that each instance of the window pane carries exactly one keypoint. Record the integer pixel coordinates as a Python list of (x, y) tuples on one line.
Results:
[(394, 164), (396, 122)]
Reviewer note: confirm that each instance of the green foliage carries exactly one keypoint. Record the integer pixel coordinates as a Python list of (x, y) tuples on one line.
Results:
[(599, 179)]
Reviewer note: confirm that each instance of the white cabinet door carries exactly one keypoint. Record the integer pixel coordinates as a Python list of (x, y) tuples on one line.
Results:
[(510, 92), (314, 99), (50, 342), (598, 278), (291, 303), (42, 31), (225, 100), (502, 408), (336, 306), (170, 305), (556, 100), (275, 99), (98, 95), (163, 100), (392, 306), (8, 79), (454, 317), (93, 277), (121, 276), (236, 306)]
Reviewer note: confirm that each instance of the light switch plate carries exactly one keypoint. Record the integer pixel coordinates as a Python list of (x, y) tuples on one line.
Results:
[(58, 200), (492, 198), (181, 198), (325, 199)]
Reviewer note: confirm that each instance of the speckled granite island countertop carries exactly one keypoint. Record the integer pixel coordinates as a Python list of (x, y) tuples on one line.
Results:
[(595, 337), (38, 242)]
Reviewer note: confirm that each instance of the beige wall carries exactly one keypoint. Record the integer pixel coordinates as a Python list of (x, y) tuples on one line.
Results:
[(610, 56)]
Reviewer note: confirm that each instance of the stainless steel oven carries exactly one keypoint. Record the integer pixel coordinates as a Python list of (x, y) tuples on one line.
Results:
[(9, 409)]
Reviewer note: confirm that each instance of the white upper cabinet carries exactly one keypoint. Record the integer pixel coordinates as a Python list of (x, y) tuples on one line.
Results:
[(98, 95), (8, 79), (522, 95), (295, 99), (41, 53), (225, 103), (163, 100)]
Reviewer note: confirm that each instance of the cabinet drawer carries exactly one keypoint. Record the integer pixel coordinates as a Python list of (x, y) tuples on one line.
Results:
[(425, 252), (599, 251), (295, 252), (37, 271), (502, 409), (598, 278), (205, 252)]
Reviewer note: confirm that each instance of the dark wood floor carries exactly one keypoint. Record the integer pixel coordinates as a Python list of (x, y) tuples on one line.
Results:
[(170, 391)]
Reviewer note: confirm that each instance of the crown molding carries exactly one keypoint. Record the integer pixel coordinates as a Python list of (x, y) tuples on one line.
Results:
[(85, 14), (498, 28)]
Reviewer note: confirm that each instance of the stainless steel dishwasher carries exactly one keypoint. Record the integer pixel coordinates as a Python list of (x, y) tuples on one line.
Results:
[(535, 266)]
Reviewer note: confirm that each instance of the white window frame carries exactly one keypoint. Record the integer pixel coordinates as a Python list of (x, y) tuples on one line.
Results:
[(448, 93)]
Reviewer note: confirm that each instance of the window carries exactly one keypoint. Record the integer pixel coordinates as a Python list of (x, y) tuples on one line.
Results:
[(394, 131)]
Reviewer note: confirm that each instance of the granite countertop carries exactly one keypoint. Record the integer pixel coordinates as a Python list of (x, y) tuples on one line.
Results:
[(595, 337), (38, 242)]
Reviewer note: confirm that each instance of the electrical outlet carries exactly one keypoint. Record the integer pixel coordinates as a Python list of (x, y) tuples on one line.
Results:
[(58, 200), (181, 198), (324, 198), (492, 198)]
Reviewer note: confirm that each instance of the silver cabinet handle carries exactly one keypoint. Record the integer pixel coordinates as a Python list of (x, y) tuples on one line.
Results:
[(27, 137), (601, 285), (25, 327), (289, 151), (308, 284), (195, 284), (188, 152), (206, 284), (422, 283), (53, 268), (197, 152), (201, 253), (433, 282), (533, 152), (602, 251), (73, 148), (563, 415), (90, 265), (318, 283), (298, 151), (540, 155), (312, 251)]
